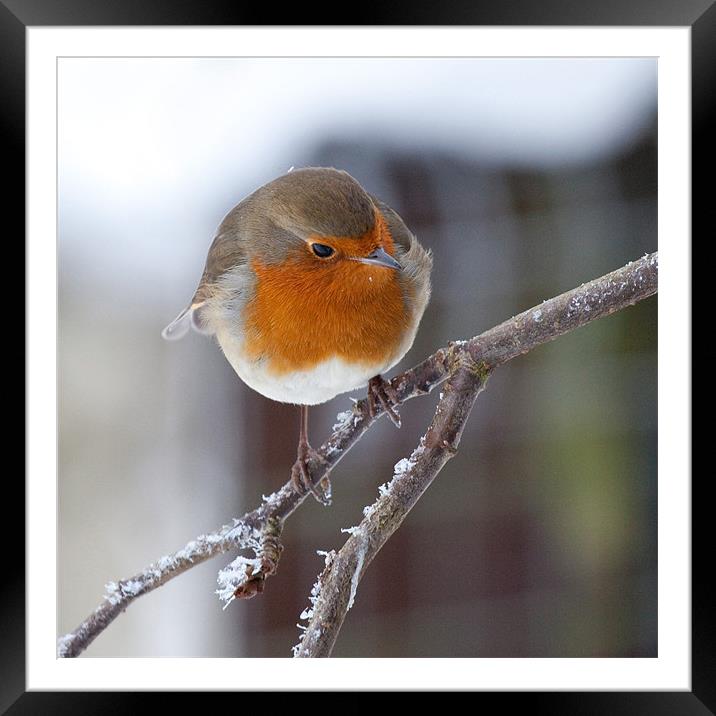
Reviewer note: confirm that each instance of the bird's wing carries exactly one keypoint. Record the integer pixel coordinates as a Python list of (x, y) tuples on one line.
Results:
[(227, 252)]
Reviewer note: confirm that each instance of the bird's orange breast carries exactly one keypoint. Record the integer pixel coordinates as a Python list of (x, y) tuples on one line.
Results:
[(303, 313)]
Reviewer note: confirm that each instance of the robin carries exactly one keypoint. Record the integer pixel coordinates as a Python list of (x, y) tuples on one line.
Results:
[(312, 287)]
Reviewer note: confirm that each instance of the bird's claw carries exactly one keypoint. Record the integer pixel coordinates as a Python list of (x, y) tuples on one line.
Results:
[(301, 477), (381, 391)]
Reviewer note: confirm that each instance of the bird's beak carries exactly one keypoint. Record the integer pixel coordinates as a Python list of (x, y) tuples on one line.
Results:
[(380, 258)]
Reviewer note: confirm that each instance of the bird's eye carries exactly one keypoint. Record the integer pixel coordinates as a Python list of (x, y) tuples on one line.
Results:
[(321, 250)]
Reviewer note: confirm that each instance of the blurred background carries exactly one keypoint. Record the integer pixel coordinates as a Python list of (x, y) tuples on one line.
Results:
[(526, 177)]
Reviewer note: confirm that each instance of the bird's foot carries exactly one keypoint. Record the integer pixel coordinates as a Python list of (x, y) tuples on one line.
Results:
[(301, 476), (381, 391)]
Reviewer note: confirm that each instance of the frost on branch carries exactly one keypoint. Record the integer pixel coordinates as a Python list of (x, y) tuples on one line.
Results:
[(245, 576), (242, 578), (402, 467), (63, 645), (307, 613), (115, 592), (356, 575)]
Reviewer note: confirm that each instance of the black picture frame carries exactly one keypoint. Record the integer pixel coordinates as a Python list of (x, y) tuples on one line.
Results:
[(17, 15)]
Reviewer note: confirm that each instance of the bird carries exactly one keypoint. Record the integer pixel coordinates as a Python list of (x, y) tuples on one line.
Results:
[(312, 287)]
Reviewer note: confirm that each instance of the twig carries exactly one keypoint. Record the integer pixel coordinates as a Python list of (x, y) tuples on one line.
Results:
[(619, 289), (338, 583), (244, 578)]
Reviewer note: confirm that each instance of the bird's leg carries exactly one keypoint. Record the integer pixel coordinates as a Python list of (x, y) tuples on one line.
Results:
[(300, 476), (381, 391)]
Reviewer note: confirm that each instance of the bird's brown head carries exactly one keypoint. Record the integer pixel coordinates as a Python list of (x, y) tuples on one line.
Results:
[(324, 219), (323, 234)]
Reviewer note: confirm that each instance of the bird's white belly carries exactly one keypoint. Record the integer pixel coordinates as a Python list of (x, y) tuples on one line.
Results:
[(304, 387)]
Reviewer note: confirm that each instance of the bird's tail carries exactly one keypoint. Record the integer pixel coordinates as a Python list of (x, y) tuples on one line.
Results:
[(189, 318)]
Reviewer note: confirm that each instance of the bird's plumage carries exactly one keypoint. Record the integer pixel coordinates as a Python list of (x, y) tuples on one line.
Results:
[(295, 327)]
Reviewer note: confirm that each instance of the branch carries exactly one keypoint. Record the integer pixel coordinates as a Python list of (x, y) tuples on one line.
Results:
[(334, 592), (613, 292), (336, 587)]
